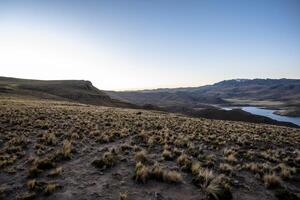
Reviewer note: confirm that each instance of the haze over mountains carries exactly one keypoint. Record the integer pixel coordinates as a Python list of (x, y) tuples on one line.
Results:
[(280, 90)]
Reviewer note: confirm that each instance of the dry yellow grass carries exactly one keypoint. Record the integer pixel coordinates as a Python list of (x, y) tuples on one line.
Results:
[(179, 150)]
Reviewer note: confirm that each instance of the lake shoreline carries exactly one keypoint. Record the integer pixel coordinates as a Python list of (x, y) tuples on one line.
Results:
[(265, 111)]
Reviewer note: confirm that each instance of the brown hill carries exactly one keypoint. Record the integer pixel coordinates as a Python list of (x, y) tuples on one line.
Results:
[(80, 91)]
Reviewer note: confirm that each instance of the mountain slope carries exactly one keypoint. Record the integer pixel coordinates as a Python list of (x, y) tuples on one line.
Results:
[(285, 92), (69, 90)]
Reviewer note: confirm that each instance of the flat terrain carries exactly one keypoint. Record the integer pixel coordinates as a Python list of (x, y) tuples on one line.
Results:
[(62, 150)]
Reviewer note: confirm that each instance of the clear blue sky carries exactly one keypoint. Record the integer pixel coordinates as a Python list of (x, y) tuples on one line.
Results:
[(140, 44)]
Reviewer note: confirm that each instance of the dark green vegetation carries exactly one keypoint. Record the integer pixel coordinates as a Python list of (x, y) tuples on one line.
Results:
[(274, 93), (62, 150)]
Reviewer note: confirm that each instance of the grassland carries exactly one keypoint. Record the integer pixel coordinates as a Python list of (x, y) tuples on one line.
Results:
[(62, 150)]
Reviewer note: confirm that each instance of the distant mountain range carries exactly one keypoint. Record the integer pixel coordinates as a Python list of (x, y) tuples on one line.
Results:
[(195, 102), (256, 89), (277, 93)]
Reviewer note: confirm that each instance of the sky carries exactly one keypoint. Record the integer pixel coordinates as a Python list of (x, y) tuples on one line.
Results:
[(143, 44)]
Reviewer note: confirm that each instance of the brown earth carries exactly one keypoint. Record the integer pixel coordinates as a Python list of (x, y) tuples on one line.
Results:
[(63, 150)]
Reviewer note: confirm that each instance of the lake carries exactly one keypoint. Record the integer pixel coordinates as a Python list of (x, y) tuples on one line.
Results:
[(267, 113)]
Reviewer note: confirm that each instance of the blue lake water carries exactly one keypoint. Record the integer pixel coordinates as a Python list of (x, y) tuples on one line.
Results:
[(268, 113)]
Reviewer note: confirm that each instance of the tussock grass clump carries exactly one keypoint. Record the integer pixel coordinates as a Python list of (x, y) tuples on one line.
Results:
[(108, 160), (203, 177), (75, 136), (7, 159), (103, 139), (125, 147), (151, 141), (195, 167), (184, 161), (44, 164), (208, 160), (56, 172), (51, 187), (285, 171), (218, 188), (18, 141), (49, 138), (141, 156), (253, 167), (34, 172), (123, 196), (31, 184), (27, 196), (172, 176), (231, 158), (141, 137), (67, 149), (181, 142), (226, 168), (167, 155), (157, 172), (141, 173), (271, 180), (215, 187)]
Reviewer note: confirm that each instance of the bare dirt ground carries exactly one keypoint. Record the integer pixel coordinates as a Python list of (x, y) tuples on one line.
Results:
[(60, 150)]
